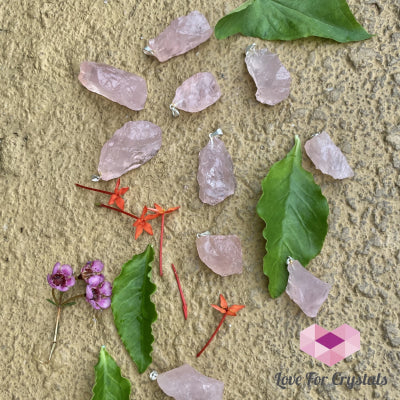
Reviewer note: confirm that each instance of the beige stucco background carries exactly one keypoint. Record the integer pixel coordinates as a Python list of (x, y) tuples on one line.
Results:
[(51, 133)]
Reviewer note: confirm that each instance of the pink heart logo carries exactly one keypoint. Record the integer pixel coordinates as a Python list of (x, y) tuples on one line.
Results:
[(330, 347)]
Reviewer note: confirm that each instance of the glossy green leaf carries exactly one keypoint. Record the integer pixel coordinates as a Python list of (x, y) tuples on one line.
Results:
[(295, 213), (292, 19), (109, 385), (133, 309)]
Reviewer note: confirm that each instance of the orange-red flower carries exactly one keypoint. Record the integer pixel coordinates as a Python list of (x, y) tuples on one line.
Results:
[(224, 309), (116, 196), (160, 211), (141, 223)]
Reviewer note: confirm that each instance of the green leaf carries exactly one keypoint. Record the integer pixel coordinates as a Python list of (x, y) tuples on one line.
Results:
[(292, 19), (132, 308), (72, 303), (52, 302), (109, 385), (295, 213)]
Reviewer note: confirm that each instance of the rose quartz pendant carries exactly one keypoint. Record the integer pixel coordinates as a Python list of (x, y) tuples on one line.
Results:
[(327, 157), (115, 84), (270, 76), (306, 290), (182, 35), (215, 174), (130, 147), (196, 93), (222, 254), (184, 383)]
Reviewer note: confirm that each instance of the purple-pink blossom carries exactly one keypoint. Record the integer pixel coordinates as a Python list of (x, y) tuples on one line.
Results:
[(91, 268), (98, 292), (62, 277)]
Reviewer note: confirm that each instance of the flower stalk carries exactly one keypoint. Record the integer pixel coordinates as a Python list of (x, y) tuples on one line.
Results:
[(116, 196), (184, 305), (116, 209), (53, 345), (212, 336), (224, 309), (159, 211), (94, 190)]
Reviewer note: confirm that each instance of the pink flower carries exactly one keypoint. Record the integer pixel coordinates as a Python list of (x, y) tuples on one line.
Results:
[(62, 277), (91, 268), (98, 292)]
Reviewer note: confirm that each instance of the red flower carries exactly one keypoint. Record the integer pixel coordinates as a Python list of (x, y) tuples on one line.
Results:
[(116, 196), (141, 223), (224, 309), (160, 211)]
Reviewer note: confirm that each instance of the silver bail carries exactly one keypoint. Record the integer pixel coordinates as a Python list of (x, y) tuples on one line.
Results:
[(153, 375), (212, 135), (95, 178), (175, 112), (289, 260), (148, 51), (206, 233), (250, 49)]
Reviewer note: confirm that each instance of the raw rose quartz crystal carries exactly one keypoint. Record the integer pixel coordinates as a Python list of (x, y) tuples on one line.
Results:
[(130, 147), (196, 93), (115, 84), (222, 254), (270, 76), (306, 290), (182, 35), (185, 383), (327, 157), (215, 173)]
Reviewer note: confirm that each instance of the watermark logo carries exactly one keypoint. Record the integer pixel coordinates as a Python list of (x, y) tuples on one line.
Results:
[(330, 347)]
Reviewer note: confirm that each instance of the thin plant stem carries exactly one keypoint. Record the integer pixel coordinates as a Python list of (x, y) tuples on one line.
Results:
[(94, 190), (59, 308), (116, 209), (212, 337), (53, 293), (161, 242), (73, 298), (184, 306)]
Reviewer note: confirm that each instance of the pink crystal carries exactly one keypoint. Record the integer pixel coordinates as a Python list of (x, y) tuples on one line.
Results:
[(185, 383), (215, 173), (182, 35), (306, 290), (270, 76), (115, 84), (197, 93), (327, 157), (130, 147), (222, 254)]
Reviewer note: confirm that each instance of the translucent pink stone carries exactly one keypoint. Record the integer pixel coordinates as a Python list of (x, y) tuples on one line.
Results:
[(197, 93), (215, 173), (185, 383), (306, 290), (327, 157), (270, 76), (222, 254), (115, 84), (182, 35), (130, 147)]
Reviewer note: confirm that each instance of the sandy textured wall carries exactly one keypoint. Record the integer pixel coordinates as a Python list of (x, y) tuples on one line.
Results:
[(52, 130)]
